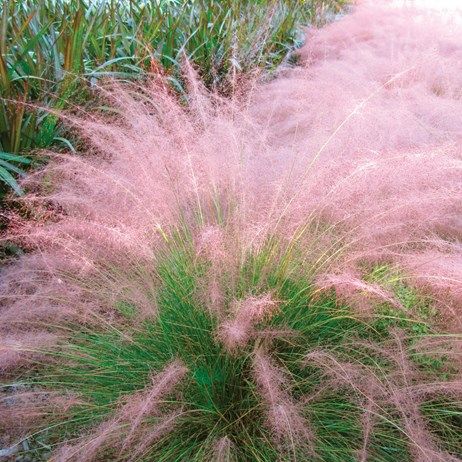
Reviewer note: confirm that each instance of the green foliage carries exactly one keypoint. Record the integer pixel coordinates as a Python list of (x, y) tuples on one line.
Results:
[(219, 394), (413, 304), (8, 168)]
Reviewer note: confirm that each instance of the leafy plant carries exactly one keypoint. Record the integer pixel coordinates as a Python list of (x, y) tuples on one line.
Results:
[(8, 168)]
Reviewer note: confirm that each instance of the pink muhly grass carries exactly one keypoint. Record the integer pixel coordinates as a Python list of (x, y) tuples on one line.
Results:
[(354, 156), (439, 273), (17, 350), (23, 411), (126, 430), (404, 388), (368, 420), (284, 417), (237, 331), (108, 433), (112, 212), (87, 449), (162, 428), (211, 245), (35, 282), (137, 408)]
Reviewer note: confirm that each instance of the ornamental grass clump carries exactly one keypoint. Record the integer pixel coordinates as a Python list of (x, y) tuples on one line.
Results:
[(198, 288), (311, 381)]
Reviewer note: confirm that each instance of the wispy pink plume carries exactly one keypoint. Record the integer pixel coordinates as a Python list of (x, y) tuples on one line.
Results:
[(358, 293), (19, 349), (237, 331), (223, 450), (25, 410), (147, 402), (163, 427), (284, 417), (126, 430), (211, 245)]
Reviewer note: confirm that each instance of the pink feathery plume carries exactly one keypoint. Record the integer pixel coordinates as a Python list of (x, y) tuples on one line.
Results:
[(238, 330), (284, 417)]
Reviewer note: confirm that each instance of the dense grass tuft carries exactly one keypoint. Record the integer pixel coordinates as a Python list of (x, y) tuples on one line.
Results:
[(223, 402)]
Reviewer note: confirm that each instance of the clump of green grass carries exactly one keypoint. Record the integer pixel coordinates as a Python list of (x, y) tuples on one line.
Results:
[(221, 408)]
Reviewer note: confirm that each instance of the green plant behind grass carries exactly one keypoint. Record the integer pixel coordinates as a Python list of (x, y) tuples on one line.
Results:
[(219, 397), (8, 167)]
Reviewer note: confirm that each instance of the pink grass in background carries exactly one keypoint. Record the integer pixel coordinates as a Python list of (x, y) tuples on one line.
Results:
[(372, 126)]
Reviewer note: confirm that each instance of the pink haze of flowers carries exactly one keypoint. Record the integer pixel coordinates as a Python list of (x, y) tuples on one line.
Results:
[(361, 142), (356, 155)]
